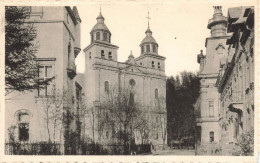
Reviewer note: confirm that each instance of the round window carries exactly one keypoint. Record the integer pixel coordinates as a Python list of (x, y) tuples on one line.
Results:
[(132, 82)]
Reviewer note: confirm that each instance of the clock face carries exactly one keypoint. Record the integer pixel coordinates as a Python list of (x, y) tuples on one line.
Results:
[(132, 82)]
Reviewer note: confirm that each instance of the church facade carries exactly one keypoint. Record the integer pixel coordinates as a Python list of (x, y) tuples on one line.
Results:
[(144, 76)]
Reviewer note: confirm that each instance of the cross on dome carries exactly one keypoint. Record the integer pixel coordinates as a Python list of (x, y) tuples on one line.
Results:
[(148, 19)]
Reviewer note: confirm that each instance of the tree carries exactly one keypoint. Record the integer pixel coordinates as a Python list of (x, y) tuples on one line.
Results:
[(181, 94), (21, 70), (122, 113)]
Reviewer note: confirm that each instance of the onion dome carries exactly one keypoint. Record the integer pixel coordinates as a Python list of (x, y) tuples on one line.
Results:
[(100, 32)]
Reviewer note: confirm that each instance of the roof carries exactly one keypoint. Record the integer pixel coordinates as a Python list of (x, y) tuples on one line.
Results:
[(100, 26), (149, 39), (76, 13), (74, 19)]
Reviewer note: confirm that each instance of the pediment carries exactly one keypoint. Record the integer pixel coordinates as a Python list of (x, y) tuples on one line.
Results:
[(132, 68)]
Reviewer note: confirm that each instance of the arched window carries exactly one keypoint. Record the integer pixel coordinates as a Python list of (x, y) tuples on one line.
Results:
[(105, 36), (154, 48), (131, 98), (152, 63), (148, 48), (211, 136), (159, 65), (110, 55), (98, 36), (220, 49), (23, 125), (211, 108), (102, 54), (142, 49), (107, 87), (156, 93)]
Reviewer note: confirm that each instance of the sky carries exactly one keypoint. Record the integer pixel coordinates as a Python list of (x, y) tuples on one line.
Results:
[(180, 29)]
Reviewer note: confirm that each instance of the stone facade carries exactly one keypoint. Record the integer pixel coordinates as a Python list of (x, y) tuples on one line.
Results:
[(236, 77), (144, 76), (58, 40), (209, 69)]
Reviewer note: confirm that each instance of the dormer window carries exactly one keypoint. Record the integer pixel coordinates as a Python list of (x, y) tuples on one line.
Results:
[(110, 55), (147, 48), (98, 36), (153, 64), (102, 54)]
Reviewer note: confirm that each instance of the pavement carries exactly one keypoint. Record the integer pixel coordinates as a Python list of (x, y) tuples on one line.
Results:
[(174, 152)]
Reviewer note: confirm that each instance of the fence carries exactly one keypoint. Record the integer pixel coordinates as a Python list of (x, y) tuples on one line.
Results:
[(33, 148), (50, 148)]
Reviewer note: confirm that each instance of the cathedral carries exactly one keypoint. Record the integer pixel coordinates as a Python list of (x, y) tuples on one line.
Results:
[(143, 75)]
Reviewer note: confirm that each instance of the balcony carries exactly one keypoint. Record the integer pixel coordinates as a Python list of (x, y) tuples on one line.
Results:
[(71, 69), (236, 102)]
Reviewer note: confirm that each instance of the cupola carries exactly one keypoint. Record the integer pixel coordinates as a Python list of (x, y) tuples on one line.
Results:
[(148, 44), (100, 32)]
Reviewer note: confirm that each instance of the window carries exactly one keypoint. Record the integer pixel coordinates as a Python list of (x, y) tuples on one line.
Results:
[(132, 82), (148, 48), (110, 55), (92, 37), (142, 49), (131, 99), (211, 136), (102, 54), (105, 36), (156, 93), (141, 63), (98, 36), (36, 11), (211, 108), (23, 126), (44, 72), (89, 55), (154, 48), (153, 64), (107, 87), (69, 50), (159, 65), (107, 134)]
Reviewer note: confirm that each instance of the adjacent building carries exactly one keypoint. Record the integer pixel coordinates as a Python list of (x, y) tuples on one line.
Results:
[(29, 115), (236, 77), (226, 102)]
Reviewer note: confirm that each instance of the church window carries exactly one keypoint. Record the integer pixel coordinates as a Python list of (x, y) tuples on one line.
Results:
[(148, 48), (89, 55), (110, 55), (131, 99), (107, 87), (105, 36), (23, 126), (102, 54), (156, 93), (98, 36), (211, 136), (142, 49), (159, 65), (211, 108), (153, 64), (154, 48)]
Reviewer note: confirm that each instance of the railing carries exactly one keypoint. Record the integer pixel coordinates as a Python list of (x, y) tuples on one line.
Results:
[(33, 148)]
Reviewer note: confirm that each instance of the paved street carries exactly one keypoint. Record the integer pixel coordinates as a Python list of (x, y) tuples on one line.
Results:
[(174, 152)]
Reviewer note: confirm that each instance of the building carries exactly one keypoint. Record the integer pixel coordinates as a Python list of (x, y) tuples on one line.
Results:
[(29, 115), (208, 102), (236, 77), (144, 76)]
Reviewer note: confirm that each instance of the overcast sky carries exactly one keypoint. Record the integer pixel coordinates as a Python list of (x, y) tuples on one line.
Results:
[(179, 29)]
